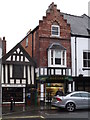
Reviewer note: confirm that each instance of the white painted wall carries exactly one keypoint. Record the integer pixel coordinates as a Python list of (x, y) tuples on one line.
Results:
[(0, 52), (81, 45)]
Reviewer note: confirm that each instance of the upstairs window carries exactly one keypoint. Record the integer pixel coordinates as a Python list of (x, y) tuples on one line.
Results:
[(18, 71), (86, 59), (26, 42), (55, 31), (58, 57)]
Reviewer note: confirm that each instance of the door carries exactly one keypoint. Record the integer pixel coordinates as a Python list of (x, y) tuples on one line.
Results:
[(85, 100)]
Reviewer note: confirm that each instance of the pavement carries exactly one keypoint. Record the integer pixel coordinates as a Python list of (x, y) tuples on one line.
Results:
[(19, 109)]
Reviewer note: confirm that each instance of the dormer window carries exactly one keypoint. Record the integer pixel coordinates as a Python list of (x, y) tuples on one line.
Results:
[(55, 30)]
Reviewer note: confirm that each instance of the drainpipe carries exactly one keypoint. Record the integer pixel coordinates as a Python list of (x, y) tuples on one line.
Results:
[(32, 44), (75, 56)]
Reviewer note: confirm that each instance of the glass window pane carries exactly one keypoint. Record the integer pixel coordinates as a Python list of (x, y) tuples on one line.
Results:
[(76, 95), (89, 63), (51, 61), (85, 63), (57, 54), (55, 32), (84, 55), (55, 28), (89, 55), (57, 61), (84, 94)]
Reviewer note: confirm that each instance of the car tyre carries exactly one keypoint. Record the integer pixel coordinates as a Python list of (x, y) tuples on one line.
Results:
[(70, 107)]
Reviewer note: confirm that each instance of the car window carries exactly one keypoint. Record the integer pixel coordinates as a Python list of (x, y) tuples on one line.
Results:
[(76, 95), (89, 95), (84, 94)]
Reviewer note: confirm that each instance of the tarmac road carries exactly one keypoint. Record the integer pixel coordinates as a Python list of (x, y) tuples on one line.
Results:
[(48, 115)]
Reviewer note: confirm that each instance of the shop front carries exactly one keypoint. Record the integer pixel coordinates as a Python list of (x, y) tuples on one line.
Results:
[(47, 86), (82, 83), (18, 94)]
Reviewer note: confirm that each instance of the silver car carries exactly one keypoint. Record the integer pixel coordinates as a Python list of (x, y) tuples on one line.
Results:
[(72, 101)]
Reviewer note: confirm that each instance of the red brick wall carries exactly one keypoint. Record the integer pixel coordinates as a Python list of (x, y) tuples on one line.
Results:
[(42, 37), (45, 38), (29, 48)]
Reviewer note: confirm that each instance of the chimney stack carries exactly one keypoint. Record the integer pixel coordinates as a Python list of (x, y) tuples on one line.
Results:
[(3, 46)]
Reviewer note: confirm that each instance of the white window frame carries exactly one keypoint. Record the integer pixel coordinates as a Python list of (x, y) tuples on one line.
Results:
[(86, 59), (56, 65), (27, 42), (57, 26)]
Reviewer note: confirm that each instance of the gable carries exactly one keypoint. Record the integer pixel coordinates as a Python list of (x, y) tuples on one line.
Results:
[(18, 56), (54, 17)]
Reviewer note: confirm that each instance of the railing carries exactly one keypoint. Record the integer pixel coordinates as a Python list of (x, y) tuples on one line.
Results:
[(53, 71)]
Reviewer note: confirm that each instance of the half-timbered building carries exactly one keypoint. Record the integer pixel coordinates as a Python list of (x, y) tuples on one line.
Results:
[(18, 75)]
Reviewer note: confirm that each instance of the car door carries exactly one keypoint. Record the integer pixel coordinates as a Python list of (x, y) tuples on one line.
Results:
[(85, 102), (76, 98)]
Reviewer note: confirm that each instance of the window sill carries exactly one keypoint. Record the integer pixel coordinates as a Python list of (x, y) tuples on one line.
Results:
[(57, 66), (85, 69), (55, 36), (26, 46)]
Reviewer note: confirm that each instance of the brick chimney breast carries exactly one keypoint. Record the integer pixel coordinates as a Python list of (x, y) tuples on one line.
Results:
[(3, 46)]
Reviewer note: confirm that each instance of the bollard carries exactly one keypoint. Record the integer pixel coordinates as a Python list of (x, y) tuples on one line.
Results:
[(12, 104)]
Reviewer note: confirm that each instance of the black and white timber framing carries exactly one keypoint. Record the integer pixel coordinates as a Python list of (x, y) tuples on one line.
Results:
[(18, 69)]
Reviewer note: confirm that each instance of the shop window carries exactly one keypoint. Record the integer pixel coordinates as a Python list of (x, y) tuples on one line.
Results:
[(16, 93), (86, 59), (26, 42)]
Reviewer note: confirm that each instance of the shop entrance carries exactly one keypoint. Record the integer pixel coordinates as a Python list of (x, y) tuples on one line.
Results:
[(47, 89)]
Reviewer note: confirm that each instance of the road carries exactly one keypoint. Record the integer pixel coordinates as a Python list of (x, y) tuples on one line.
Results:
[(49, 115)]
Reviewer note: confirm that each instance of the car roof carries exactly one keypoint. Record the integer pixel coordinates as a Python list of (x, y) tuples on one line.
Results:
[(77, 92)]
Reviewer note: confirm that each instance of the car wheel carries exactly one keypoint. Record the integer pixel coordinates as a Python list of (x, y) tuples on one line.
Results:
[(70, 107)]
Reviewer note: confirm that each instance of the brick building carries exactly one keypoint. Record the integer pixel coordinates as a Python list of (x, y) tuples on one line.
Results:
[(49, 44)]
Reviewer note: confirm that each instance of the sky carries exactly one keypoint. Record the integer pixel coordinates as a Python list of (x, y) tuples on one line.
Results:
[(17, 17)]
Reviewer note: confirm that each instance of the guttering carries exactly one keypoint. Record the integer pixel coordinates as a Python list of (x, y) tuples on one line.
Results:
[(77, 35)]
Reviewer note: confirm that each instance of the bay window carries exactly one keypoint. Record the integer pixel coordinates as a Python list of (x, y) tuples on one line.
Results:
[(56, 55), (57, 58)]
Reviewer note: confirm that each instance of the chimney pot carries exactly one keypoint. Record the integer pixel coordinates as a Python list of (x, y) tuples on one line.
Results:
[(3, 38)]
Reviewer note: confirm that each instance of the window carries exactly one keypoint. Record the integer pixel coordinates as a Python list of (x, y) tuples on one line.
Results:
[(84, 94), (58, 57), (76, 95), (55, 30), (26, 42), (18, 71), (86, 59)]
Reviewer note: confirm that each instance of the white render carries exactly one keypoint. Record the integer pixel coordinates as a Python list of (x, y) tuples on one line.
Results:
[(0, 52), (82, 44)]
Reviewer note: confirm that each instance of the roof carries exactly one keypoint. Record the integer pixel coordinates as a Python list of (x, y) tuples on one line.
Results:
[(79, 24), (56, 46), (13, 51)]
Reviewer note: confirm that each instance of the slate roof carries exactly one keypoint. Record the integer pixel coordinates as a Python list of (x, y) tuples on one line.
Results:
[(80, 25), (56, 46)]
